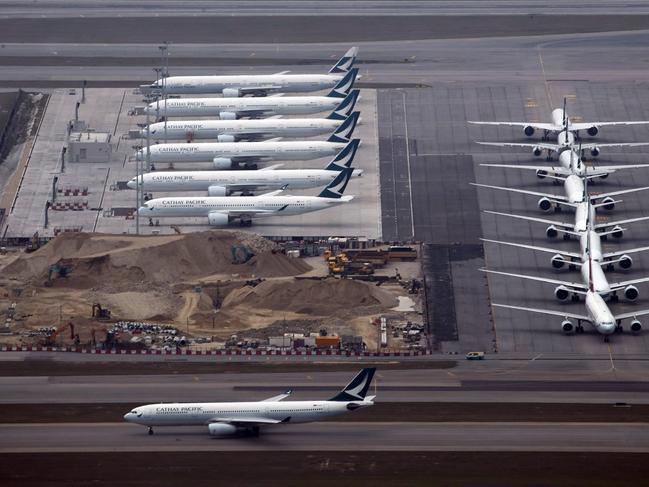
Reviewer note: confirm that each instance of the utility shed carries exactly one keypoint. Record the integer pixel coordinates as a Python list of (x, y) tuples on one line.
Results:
[(89, 147)]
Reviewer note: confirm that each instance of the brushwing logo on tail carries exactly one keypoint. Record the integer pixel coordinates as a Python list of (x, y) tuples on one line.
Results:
[(346, 62), (336, 188), (345, 130), (344, 85), (345, 107), (357, 388), (345, 157)]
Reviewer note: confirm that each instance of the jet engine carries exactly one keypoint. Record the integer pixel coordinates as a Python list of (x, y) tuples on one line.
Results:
[(222, 163), (625, 262), (618, 232), (594, 151), (231, 93), (610, 203), (636, 326), (217, 191), (537, 151), (216, 219), (541, 174), (529, 131), (221, 429), (545, 204), (566, 327), (593, 131), (227, 115), (226, 138), (551, 232), (557, 261), (562, 293), (631, 293)]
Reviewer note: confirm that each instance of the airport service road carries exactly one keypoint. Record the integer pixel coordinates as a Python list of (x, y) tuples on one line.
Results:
[(92, 437)]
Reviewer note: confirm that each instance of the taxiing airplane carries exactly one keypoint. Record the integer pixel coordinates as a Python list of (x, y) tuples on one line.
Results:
[(224, 419), (254, 84), (236, 130), (257, 107), (225, 183), (223, 210)]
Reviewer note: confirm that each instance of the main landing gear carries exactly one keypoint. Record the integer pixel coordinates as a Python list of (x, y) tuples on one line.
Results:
[(150, 430)]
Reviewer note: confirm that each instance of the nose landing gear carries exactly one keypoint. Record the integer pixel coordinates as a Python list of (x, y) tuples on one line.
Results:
[(150, 430)]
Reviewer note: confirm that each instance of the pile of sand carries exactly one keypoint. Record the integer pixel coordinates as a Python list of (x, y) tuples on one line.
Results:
[(314, 297), (120, 262)]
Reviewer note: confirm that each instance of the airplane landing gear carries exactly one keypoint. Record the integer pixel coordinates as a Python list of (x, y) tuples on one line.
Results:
[(579, 329), (606, 339), (150, 430), (255, 431), (246, 223), (619, 329)]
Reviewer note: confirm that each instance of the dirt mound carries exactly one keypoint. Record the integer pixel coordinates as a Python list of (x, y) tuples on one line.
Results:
[(314, 297), (118, 262)]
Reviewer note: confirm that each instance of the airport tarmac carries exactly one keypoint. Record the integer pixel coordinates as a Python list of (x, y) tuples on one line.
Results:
[(330, 436)]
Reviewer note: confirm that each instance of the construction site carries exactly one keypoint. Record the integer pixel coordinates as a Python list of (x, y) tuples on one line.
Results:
[(209, 290)]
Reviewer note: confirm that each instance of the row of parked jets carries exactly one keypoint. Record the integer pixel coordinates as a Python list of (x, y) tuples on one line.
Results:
[(240, 139), (590, 259)]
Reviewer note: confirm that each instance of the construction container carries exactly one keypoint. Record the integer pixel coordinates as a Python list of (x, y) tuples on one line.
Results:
[(280, 342), (327, 342)]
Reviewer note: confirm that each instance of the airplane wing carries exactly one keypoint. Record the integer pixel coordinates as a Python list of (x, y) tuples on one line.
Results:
[(632, 314), (548, 169), (258, 89), (618, 253), (540, 126), (617, 193), (591, 145), (569, 225), (586, 126), (534, 247), (546, 312), (281, 72), (620, 285), (555, 197), (271, 168), (621, 222), (540, 145), (279, 397), (577, 287), (246, 421), (612, 169)]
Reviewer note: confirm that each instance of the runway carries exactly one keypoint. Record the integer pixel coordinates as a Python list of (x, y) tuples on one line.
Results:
[(94, 437)]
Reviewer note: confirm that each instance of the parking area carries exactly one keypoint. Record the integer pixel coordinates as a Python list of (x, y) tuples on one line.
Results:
[(92, 198), (427, 159)]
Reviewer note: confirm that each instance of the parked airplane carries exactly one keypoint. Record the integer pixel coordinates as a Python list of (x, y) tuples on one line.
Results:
[(230, 418), (235, 108), (560, 122), (597, 313), (229, 155), (566, 143), (225, 183), (591, 272), (570, 162), (223, 210), (255, 84), (236, 130), (575, 193)]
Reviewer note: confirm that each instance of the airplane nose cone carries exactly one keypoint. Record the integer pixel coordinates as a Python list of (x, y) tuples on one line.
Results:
[(127, 417), (131, 184)]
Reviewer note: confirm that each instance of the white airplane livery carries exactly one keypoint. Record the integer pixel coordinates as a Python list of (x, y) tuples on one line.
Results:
[(259, 85), (225, 183), (560, 122), (228, 155), (236, 130), (223, 210), (224, 419), (339, 102)]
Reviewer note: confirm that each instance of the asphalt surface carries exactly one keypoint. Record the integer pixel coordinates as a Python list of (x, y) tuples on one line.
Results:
[(89, 437)]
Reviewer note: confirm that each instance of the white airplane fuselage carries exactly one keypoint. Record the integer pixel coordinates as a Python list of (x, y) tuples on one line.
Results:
[(264, 205), (258, 180), (584, 212), (269, 150), (600, 283), (574, 188), (599, 313), (237, 129), (215, 107), (186, 414), (292, 83)]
